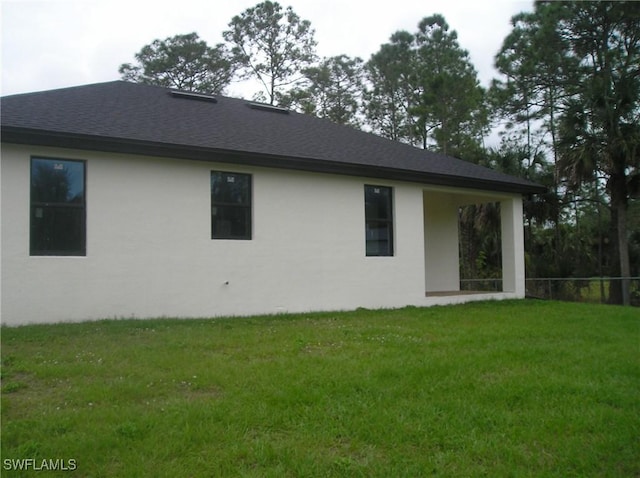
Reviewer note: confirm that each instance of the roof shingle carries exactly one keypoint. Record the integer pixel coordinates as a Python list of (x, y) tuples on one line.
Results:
[(134, 118)]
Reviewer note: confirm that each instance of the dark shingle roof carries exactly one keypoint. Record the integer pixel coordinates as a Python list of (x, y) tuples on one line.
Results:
[(133, 118)]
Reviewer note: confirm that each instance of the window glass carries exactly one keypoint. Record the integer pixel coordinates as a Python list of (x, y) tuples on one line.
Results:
[(379, 239), (58, 213), (57, 230), (229, 222), (378, 202), (378, 221), (57, 181), (231, 188), (230, 205)]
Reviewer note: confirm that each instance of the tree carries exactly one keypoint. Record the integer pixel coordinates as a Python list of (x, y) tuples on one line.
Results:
[(425, 90), (332, 90), (184, 62), (450, 107), (391, 74), (535, 63), (572, 73), (536, 67), (601, 127), (271, 45)]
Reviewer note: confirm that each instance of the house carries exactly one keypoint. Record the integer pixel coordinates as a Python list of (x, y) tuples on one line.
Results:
[(128, 200)]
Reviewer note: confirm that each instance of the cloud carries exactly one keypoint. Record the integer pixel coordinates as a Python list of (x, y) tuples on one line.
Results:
[(58, 43)]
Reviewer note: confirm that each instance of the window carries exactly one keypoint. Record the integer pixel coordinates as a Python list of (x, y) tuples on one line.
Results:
[(378, 220), (58, 217), (230, 205)]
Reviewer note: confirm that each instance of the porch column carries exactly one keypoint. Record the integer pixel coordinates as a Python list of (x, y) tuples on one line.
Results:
[(442, 257), (513, 276)]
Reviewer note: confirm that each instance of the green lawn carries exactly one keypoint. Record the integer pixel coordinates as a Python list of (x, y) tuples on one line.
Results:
[(517, 388)]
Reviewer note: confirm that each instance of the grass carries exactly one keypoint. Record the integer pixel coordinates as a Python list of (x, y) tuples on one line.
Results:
[(522, 388)]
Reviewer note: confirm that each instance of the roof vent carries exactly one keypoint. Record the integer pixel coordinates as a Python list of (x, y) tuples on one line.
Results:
[(191, 95), (266, 107)]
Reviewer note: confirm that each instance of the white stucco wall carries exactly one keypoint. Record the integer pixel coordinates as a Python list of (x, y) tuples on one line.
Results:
[(513, 271), (150, 252), (442, 271)]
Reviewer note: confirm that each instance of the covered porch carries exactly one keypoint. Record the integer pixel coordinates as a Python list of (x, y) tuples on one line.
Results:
[(441, 208)]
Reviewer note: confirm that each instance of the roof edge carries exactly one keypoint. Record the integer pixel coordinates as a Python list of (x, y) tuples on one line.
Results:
[(118, 145)]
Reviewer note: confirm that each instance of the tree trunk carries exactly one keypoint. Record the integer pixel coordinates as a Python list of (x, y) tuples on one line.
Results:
[(617, 187), (272, 90), (615, 289), (623, 246)]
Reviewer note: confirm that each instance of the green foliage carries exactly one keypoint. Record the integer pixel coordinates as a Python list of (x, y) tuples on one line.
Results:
[(391, 93), (425, 90), (450, 97), (331, 90), (517, 388), (183, 62), (600, 130), (480, 242), (272, 45), (570, 81), (535, 65), (600, 135)]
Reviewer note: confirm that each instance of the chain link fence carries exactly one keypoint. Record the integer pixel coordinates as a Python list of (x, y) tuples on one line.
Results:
[(579, 289)]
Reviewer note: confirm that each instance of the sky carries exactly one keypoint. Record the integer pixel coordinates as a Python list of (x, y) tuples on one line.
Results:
[(49, 44)]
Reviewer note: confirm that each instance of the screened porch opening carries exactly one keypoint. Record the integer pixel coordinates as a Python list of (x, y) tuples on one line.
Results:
[(480, 247), (473, 243)]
